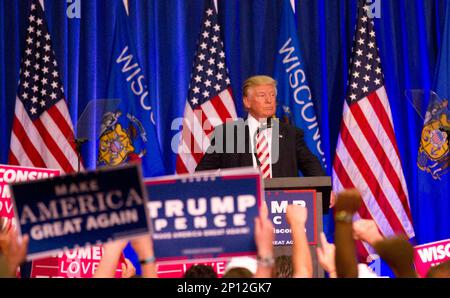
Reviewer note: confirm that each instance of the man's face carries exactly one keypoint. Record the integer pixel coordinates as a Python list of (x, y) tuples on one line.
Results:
[(261, 101)]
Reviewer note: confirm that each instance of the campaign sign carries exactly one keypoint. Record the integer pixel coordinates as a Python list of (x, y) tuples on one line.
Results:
[(77, 263), (430, 255), (205, 216), (178, 270), (77, 210), (14, 174), (277, 201)]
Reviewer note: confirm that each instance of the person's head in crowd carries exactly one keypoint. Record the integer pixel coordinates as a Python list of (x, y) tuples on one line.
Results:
[(283, 267), (200, 271), (238, 272), (243, 266), (260, 96), (440, 271)]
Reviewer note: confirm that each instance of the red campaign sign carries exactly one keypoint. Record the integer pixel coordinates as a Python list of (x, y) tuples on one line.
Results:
[(14, 174), (430, 255), (78, 263), (177, 270)]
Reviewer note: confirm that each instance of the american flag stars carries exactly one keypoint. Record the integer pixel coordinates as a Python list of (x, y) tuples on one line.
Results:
[(210, 74), (40, 87), (209, 102), (365, 68)]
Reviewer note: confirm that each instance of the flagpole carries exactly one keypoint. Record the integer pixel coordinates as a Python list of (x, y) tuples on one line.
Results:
[(78, 143), (42, 131), (293, 5), (125, 3)]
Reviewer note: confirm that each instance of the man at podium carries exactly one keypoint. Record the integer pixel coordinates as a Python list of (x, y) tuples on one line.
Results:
[(277, 148)]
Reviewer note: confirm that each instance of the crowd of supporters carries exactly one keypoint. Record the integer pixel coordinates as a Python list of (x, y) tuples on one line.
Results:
[(338, 260)]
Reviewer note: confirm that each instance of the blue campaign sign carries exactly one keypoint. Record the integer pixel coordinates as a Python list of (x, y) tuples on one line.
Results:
[(82, 209), (204, 216), (277, 201)]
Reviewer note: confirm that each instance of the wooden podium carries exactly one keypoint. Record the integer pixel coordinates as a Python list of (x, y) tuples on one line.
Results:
[(322, 186)]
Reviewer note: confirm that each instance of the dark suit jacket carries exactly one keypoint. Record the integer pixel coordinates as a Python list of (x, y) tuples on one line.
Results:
[(294, 154)]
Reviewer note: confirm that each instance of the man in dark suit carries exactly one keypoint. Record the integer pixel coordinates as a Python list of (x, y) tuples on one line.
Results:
[(236, 144)]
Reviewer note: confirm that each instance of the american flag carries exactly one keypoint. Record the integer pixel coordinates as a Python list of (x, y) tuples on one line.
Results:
[(210, 101), (367, 157), (42, 133)]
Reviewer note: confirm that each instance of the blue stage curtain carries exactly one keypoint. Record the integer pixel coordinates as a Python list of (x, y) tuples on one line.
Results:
[(408, 33)]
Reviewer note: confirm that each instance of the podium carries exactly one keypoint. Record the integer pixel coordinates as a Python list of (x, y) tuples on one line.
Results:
[(322, 186)]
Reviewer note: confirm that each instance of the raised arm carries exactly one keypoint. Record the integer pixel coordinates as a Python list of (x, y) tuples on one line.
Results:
[(296, 216), (347, 204), (143, 246), (399, 254), (326, 255), (110, 259), (13, 251), (366, 230), (264, 243)]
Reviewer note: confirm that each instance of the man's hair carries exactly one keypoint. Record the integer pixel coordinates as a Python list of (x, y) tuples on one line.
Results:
[(200, 271), (238, 272), (283, 267), (256, 81)]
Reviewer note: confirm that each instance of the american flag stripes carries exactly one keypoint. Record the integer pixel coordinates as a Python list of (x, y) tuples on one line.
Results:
[(210, 101), (367, 157), (42, 134)]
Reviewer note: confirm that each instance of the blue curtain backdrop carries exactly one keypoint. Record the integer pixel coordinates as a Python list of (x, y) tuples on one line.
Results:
[(408, 33)]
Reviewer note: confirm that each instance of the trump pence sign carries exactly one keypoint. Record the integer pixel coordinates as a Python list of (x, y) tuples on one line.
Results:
[(204, 216)]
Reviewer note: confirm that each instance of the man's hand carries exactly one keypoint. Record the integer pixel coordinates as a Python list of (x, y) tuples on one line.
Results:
[(332, 199), (264, 232), (263, 210), (398, 254), (4, 237), (264, 236), (326, 256), (296, 215), (14, 250), (367, 231), (349, 200), (116, 246), (112, 251), (128, 269)]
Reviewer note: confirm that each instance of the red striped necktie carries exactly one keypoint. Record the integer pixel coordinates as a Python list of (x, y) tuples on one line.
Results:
[(263, 153)]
